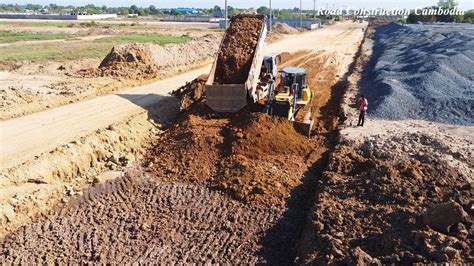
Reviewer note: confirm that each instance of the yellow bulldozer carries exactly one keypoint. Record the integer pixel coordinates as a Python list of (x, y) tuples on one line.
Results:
[(292, 98)]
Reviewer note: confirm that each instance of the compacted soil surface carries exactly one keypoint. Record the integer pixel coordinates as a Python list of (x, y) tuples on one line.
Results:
[(140, 219), (214, 188)]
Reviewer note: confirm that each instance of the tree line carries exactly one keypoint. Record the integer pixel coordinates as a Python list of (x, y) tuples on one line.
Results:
[(468, 16), (145, 11)]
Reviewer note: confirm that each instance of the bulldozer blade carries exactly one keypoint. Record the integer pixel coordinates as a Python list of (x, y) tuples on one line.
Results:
[(304, 127)]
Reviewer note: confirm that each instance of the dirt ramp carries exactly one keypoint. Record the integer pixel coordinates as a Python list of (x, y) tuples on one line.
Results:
[(245, 154), (238, 47)]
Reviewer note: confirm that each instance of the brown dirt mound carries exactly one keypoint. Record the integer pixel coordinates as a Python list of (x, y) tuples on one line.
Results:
[(245, 154), (385, 207), (283, 28), (238, 47), (191, 93), (130, 61)]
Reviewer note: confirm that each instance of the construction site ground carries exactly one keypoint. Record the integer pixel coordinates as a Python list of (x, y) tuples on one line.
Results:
[(48, 170), (128, 177)]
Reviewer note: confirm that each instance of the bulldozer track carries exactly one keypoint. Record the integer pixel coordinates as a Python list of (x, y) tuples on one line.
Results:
[(143, 220)]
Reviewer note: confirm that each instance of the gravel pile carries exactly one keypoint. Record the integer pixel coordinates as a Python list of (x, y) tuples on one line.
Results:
[(422, 72)]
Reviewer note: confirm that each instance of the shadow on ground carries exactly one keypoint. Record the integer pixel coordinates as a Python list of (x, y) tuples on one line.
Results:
[(161, 109)]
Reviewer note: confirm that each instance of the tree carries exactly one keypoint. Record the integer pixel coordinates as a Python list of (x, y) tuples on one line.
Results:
[(468, 17), (153, 10), (263, 10), (413, 18), (283, 14), (447, 4), (133, 9), (124, 11), (216, 8), (142, 12)]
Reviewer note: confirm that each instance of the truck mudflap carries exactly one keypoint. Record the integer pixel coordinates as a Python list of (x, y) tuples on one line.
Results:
[(226, 98)]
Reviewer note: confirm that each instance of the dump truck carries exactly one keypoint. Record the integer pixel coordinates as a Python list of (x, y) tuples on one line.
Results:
[(290, 100), (233, 97)]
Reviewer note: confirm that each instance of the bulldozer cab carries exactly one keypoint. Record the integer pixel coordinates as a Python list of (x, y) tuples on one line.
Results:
[(270, 64), (293, 93), (293, 80)]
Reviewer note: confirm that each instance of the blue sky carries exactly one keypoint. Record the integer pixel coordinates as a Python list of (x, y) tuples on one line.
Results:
[(307, 4)]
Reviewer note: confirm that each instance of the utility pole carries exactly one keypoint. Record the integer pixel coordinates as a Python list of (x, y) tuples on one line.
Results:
[(270, 17), (301, 14), (225, 14), (314, 10)]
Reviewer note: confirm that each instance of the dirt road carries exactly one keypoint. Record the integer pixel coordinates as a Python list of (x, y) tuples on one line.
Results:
[(29, 136), (337, 41)]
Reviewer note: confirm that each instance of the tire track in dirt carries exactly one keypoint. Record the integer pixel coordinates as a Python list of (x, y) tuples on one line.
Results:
[(186, 223), (143, 220)]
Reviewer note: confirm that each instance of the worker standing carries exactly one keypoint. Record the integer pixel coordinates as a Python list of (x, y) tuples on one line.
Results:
[(363, 103)]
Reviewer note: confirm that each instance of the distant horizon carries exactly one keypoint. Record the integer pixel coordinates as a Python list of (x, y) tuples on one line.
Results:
[(280, 4)]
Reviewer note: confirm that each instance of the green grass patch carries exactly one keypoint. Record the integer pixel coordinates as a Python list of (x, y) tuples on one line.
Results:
[(77, 50), (57, 52), (15, 36), (57, 24), (145, 38)]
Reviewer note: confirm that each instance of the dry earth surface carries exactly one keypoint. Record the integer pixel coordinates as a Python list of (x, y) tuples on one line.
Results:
[(28, 87), (280, 194), (394, 191)]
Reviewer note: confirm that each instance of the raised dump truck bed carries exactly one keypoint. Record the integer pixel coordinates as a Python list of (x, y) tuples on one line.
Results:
[(235, 73)]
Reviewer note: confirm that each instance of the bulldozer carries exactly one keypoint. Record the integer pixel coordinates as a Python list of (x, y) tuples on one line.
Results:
[(290, 99)]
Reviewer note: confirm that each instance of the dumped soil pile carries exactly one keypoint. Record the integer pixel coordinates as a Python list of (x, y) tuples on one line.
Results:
[(252, 156), (245, 154), (191, 93), (264, 159), (148, 61), (422, 72), (139, 219), (237, 50), (132, 53), (283, 28), (377, 207), (131, 61)]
